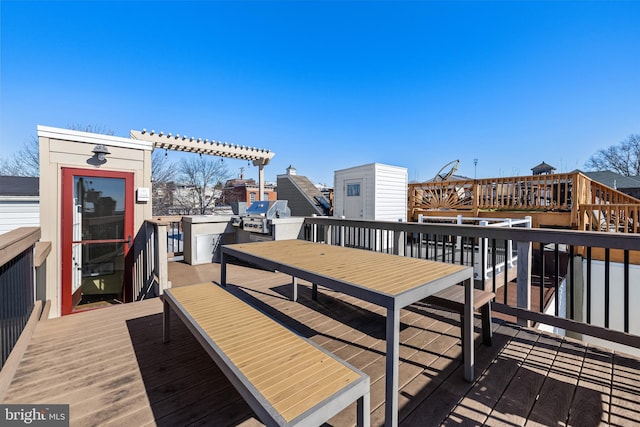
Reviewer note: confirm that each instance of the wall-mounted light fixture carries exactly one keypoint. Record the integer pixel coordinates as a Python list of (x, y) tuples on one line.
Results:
[(100, 151)]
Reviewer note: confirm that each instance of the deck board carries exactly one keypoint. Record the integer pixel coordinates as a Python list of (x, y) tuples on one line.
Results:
[(560, 384), (625, 392), (592, 399), (111, 366)]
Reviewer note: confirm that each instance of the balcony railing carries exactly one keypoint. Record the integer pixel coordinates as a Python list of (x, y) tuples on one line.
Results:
[(175, 236), (491, 261), (19, 260), (617, 218), (22, 275), (150, 277), (593, 277)]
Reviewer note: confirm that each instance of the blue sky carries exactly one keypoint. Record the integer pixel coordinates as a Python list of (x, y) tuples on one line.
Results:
[(331, 85)]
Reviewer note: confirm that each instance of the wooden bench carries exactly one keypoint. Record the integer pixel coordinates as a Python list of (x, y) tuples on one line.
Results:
[(286, 379), (452, 298)]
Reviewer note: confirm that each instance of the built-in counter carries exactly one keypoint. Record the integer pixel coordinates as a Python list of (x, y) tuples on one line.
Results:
[(204, 234), (281, 229)]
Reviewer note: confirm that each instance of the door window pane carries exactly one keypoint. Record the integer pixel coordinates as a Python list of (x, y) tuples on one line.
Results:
[(99, 230), (353, 190)]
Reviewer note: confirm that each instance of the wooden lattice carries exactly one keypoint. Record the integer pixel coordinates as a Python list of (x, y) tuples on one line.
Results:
[(444, 195)]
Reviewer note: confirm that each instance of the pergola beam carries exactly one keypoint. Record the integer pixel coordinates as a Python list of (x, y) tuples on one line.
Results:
[(259, 156)]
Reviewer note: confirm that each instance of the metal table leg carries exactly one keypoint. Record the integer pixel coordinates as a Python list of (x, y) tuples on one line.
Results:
[(391, 377)]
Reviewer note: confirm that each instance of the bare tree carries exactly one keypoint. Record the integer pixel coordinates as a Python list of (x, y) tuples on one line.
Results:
[(95, 128), (199, 175), (162, 169), (623, 158), (26, 161), (163, 174)]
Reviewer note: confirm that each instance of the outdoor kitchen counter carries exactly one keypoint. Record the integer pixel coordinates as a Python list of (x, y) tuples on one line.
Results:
[(199, 234), (203, 234)]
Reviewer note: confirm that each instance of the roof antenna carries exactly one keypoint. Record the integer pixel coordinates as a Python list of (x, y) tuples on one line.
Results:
[(446, 171)]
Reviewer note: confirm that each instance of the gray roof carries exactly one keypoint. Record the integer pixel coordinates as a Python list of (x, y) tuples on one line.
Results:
[(19, 186), (542, 167), (614, 179), (304, 198)]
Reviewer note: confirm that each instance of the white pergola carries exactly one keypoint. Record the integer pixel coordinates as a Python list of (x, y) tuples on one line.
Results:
[(259, 156)]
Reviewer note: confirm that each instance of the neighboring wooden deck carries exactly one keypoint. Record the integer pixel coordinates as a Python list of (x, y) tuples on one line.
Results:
[(568, 200), (111, 366)]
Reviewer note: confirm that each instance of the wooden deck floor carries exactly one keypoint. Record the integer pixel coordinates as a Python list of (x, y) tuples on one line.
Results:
[(111, 366)]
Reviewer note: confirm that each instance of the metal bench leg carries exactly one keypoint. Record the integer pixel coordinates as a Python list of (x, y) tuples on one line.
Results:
[(487, 331), (462, 330), (294, 282), (467, 332), (314, 292), (363, 411)]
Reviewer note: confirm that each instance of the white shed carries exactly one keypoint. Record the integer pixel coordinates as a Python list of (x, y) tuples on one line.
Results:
[(374, 192)]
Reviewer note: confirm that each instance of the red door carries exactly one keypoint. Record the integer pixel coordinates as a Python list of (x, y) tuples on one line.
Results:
[(97, 234)]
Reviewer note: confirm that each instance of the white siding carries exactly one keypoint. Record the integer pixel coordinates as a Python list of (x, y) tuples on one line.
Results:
[(366, 174), (390, 193), (384, 189), (19, 213)]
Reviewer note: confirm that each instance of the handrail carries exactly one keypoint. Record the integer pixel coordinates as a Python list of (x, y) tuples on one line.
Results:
[(165, 219), (14, 242), (571, 237), (612, 319), (43, 249)]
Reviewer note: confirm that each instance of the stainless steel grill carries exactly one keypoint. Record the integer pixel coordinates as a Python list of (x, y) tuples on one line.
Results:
[(258, 216)]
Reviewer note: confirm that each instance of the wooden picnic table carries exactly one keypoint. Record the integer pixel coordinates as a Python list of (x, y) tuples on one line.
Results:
[(390, 281)]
